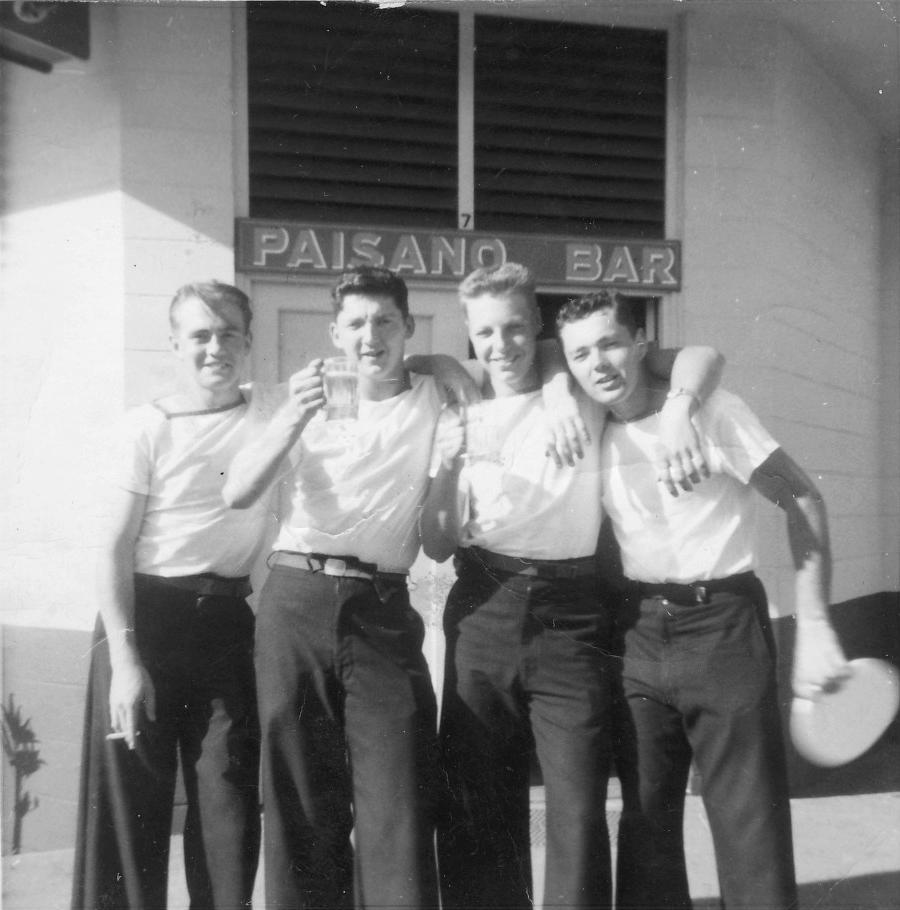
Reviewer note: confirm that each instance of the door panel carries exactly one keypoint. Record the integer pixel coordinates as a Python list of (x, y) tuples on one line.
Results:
[(290, 325), (290, 328)]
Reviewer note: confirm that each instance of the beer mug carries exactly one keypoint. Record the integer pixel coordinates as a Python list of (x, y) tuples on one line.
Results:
[(341, 388), (483, 437)]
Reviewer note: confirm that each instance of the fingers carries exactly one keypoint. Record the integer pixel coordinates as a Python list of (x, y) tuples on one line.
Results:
[(566, 442), (681, 470), (307, 387), (823, 679), (465, 393)]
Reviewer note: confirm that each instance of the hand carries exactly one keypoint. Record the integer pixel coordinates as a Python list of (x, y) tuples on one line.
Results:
[(130, 688), (306, 391), (566, 432), (451, 376), (450, 436), (819, 661), (680, 461)]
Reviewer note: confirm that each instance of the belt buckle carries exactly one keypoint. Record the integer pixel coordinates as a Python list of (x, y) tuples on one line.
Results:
[(701, 594)]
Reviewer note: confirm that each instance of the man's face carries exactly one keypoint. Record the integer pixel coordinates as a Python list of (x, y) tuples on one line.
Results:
[(604, 357), (212, 346), (372, 330), (503, 329)]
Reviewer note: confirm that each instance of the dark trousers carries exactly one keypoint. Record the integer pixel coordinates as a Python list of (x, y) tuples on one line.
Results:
[(700, 684), (526, 669), (199, 654), (348, 720)]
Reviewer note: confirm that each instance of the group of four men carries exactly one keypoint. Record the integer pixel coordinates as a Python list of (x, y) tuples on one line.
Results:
[(356, 772)]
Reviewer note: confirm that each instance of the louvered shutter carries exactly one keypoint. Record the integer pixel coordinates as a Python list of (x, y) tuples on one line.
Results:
[(569, 128), (353, 114)]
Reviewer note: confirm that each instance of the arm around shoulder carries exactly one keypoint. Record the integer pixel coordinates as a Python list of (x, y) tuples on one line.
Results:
[(256, 466)]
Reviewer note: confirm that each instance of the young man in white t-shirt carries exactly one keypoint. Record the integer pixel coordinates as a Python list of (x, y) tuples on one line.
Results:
[(346, 704), (699, 665), (528, 624), (172, 667)]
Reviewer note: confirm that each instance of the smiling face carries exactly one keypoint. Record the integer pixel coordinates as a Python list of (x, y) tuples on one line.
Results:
[(503, 329), (372, 330), (607, 361), (212, 346)]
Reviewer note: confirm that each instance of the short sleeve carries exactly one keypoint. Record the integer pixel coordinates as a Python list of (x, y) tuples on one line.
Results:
[(132, 464), (738, 442)]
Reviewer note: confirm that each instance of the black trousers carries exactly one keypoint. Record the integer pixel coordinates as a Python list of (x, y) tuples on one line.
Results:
[(348, 719), (198, 652), (699, 681), (527, 669)]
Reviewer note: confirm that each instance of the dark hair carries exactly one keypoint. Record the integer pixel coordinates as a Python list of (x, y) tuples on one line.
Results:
[(371, 280), (578, 308), (214, 294), (511, 277)]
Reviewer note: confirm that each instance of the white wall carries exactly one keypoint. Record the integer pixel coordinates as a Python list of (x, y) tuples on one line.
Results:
[(781, 233), (118, 176), (62, 299), (889, 373)]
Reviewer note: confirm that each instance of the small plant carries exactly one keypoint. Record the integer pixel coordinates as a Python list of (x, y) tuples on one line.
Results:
[(20, 746)]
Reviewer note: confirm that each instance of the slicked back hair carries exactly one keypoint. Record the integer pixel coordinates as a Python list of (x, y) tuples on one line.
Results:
[(215, 294), (578, 308), (509, 278), (371, 280)]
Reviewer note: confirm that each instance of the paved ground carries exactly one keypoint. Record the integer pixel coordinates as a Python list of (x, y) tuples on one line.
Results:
[(848, 858)]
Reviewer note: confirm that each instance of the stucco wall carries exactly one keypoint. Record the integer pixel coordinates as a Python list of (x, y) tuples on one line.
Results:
[(782, 238), (117, 181), (118, 188)]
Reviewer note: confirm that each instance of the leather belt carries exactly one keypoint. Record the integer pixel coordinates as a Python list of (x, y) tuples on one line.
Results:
[(520, 565), (696, 592), (206, 584), (338, 566)]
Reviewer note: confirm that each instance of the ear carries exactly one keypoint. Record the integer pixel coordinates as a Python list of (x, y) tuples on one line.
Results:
[(173, 344), (248, 340), (410, 326), (640, 342), (333, 332)]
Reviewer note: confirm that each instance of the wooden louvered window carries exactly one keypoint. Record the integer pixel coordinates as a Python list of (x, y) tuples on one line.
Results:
[(569, 128), (353, 119), (352, 114)]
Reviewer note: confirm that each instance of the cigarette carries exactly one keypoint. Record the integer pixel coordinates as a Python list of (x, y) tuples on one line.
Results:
[(116, 735)]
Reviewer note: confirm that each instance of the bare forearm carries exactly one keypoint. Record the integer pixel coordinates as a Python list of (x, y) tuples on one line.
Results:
[(254, 468), (695, 368), (115, 594), (811, 552)]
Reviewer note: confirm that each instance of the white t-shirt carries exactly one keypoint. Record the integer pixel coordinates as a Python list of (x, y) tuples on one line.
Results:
[(357, 486), (179, 462), (700, 535), (516, 501)]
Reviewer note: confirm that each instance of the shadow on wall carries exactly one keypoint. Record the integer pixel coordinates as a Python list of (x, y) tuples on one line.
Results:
[(20, 746)]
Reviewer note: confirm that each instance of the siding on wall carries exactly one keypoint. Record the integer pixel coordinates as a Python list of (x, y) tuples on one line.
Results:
[(781, 242), (62, 282), (176, 90)]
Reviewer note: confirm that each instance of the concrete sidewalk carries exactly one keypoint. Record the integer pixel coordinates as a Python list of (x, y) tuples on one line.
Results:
[(847, 848)]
